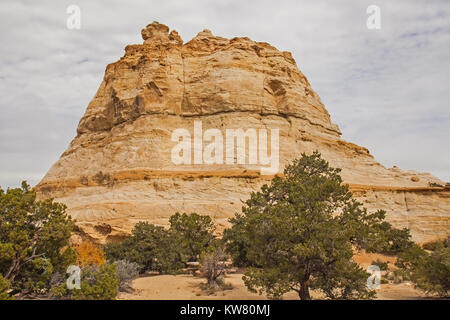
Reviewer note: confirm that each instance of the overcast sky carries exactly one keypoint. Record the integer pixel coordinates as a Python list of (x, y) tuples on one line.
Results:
[(387, 89)]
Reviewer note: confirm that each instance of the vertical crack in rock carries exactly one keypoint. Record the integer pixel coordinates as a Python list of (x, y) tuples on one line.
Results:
[(183, 96), (407, 210)]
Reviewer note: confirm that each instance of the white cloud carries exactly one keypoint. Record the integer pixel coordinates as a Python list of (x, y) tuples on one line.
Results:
[(387, 89)]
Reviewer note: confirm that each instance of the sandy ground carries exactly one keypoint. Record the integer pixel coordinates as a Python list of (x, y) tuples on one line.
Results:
[(187, 287)]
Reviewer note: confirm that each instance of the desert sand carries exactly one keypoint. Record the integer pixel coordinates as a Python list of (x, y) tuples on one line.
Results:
[(187, 287)]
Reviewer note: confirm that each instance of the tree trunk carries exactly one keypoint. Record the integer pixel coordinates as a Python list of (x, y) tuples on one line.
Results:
[(11, 274), (304, 291)]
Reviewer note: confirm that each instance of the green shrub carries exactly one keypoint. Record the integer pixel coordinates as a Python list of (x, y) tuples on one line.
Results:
[(237, 242), (97, 283), (192, 233), (34, 240), (385, 239), (431, 246), (400, 275), (154, 248), (381, 264), (435, 184), (4, 288), (150, 246), (429, 272)]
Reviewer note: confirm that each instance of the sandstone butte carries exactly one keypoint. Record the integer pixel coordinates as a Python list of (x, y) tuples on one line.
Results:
[(118, 169)]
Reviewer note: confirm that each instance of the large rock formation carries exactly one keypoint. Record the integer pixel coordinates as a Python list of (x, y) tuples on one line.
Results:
[(119, 170)]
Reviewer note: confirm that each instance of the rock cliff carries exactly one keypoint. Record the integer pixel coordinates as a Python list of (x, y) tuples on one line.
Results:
[(119, 169)]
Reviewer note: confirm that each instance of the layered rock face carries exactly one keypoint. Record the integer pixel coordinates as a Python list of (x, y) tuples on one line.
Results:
[(120, 167)]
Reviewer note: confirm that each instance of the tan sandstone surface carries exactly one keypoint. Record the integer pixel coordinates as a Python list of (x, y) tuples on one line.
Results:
[(118, 169)]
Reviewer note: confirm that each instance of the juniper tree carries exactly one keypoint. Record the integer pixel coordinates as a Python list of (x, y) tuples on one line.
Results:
[(299, 234), (193, 233), (150, 246), (34, 239), (428, 270)]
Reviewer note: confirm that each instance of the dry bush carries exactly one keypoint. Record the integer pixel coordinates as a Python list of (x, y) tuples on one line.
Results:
[(89, 254), (214, 266), (126, 271)]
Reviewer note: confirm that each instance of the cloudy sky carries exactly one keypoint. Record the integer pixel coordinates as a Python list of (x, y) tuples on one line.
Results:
[(387, 89)]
